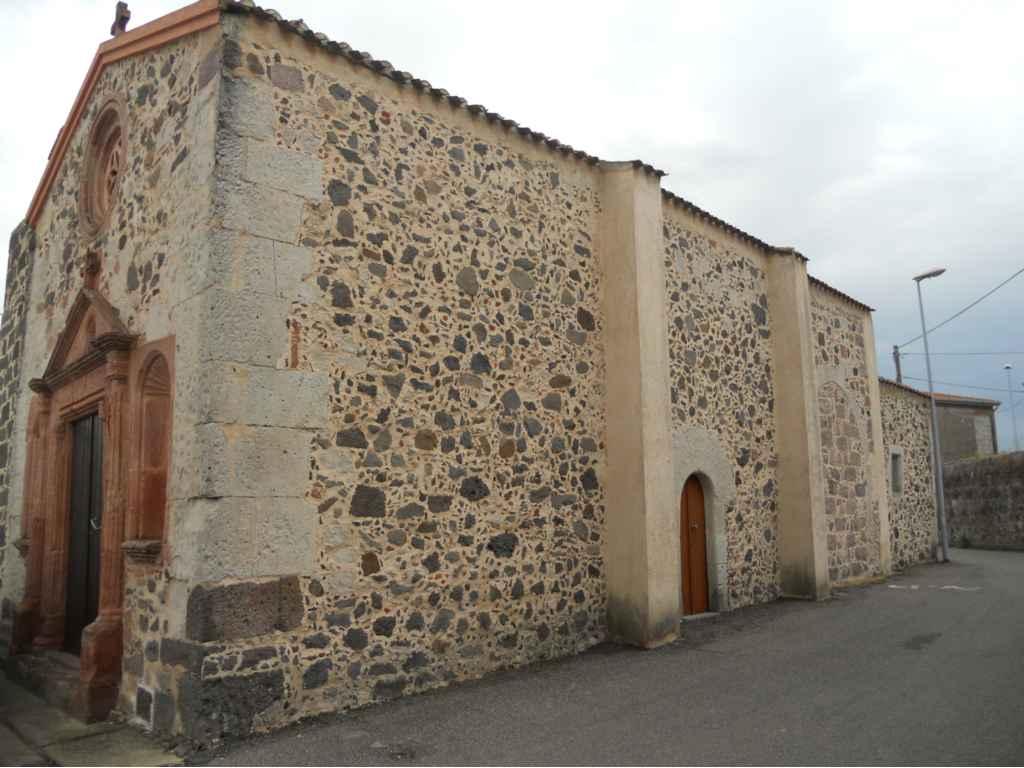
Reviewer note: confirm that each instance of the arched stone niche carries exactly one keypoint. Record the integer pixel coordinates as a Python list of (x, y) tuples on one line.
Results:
[(148, 508), (698, 451)]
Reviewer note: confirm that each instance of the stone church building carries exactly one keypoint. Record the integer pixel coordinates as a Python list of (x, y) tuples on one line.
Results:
[(321, 386)]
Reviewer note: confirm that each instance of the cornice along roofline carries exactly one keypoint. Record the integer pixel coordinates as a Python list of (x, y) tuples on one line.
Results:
[(944, 398), (967, 402), (710, 218), (836, 292), (897, 385), (387, 70), (207, 13)]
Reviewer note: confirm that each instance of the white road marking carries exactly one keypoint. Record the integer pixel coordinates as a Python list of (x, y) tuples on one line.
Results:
[(950, 587)]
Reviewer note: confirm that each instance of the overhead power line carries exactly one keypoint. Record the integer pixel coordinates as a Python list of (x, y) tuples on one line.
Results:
[(969, 306), (954, 384), (992, 354)]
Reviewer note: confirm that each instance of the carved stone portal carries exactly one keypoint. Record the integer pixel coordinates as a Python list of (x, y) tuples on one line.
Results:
[(97, 372)]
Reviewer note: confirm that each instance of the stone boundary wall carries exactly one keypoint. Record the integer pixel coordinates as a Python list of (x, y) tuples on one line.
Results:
[(967, 431), (985, 501)]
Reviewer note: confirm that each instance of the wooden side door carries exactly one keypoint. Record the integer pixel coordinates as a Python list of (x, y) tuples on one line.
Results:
[(693, 546), (86, 517)]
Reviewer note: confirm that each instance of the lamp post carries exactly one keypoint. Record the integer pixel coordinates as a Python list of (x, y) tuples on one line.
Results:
[(936, 447), (1009, 388)]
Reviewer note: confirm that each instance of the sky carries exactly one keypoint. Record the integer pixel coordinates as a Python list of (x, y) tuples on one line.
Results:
[(880, 139)]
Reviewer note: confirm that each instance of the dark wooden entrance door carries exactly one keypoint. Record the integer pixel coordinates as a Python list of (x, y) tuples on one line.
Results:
[(83, 593), (694, 548)]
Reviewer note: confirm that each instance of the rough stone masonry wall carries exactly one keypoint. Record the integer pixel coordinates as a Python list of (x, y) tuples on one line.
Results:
[(844, 408), (720, 349), (12, 350), (439, 301), (153, 269), (985, 501), (906, 427)]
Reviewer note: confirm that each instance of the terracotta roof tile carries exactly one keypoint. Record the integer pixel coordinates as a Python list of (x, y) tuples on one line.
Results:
[(836, 292), (944, 397), (898, 385), (386, 69), (710, 218), (948, 399)]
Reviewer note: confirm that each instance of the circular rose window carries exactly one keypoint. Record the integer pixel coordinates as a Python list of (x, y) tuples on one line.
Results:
[(104, 166)]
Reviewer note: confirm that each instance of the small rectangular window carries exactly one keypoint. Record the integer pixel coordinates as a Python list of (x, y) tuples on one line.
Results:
[(896, 472)]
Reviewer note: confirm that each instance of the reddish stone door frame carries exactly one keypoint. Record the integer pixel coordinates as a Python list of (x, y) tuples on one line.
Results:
[(89, 373)]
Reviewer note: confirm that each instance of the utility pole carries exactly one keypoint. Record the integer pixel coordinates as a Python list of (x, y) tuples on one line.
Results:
[(896, 359), (1013, 412), (940, 498)]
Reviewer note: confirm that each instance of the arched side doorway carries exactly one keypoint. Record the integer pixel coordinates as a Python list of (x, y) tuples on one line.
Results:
[(698, 455), (693, 542)]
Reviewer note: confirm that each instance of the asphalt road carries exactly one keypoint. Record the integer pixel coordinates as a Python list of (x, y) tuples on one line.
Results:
[(927, 668)]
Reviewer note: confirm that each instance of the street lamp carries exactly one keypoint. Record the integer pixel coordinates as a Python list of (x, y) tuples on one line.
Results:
[(1009, 388), (936, 447)]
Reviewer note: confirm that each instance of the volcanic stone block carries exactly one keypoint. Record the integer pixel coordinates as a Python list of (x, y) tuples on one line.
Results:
[(246, 609), (183, 653), (143, 703), (163, 712), (214, 708)]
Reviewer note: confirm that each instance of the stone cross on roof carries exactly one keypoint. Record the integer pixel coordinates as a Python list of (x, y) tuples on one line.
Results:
[(121, 17)]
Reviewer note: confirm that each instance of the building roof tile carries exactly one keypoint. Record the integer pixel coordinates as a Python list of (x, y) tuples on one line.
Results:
[(202, 14), (904, 387), (944, 398), (836, 292), (948, 399), (386, 69)]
